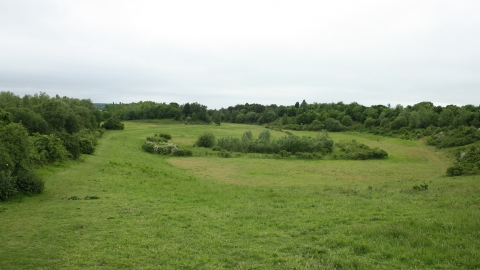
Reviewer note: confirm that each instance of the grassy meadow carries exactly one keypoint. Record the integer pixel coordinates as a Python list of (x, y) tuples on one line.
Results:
[(144, 211)]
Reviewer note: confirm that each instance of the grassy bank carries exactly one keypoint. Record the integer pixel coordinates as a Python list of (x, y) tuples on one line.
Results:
[(244, 212)]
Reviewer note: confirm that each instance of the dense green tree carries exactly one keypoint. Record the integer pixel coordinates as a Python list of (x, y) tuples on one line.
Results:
[(399, 122), (240, 119), (347, 121)]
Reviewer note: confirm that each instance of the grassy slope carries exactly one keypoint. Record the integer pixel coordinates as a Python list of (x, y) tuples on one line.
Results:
[(247, 212)]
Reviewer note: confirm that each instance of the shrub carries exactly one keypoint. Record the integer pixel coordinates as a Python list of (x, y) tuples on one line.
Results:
[(356, 150), (8, 187), (156, 139), (48, 148), (29, 183), (71, 144), (113, 124), (206, 140), (161, 148), (182, 153), (457, 137), (166, 136), (225, 154), (468, 162)]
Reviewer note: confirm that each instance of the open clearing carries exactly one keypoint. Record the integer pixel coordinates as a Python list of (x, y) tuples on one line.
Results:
[(247, 212)]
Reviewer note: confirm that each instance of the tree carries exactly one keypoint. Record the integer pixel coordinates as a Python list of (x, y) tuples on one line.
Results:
[(399, 122), (113, 124), (332, 125), (284, 119), (217, 118), (206, 140), (240, 119), (347, 121)]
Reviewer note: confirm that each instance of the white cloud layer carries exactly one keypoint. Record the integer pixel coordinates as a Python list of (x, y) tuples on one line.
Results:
[(222, 53)]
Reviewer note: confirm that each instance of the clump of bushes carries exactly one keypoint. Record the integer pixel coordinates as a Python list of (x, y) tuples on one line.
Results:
[(290, 144), (165, 136), (206, 140), (113, 124), (159, 145), (467, 163), (356, 150), (16, 173), (456, 137), (160, 138)]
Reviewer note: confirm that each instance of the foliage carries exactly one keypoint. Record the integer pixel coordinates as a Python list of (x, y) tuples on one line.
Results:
[(164, 148), (72, 144), (356, 150), (456, 137), (288, 144), (8, 187), (207, 140), (182, 153), (16, 147), (467, 163), (164, 135), (29, 183), (48, 149), (113, 124)]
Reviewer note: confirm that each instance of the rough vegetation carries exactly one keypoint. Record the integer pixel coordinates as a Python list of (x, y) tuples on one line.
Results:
[(40, 130)]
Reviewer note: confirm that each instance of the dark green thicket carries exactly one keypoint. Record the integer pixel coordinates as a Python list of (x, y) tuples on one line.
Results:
[(356, 150), (287, 144), (467, 161), (39, 129), (457, 137), (206, 140), (113, 124)]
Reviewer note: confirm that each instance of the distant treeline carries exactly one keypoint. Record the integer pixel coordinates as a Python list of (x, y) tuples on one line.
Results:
[(303, 116)]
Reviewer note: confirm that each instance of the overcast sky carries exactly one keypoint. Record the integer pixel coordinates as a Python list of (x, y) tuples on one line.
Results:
[(222, 53)]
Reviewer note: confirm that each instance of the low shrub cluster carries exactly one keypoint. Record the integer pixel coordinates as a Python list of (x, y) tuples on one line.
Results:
[(159, 145), (456, 137), (356, 150), (467, 163), (290, 144)]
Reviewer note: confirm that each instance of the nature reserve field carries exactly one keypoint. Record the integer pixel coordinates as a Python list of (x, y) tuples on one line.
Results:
[(251, 211)]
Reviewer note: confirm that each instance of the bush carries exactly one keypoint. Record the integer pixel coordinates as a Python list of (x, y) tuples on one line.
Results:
[(8, 187), (182, 153), (161, 148), (356, 150), (468, 162), (457, 137), (48, 149), (29, 183), (71, 144), (166, 136), (113, 124), (206, 140)]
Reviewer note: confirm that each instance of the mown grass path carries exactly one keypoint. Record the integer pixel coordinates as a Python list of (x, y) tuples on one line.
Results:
[(248, 212)]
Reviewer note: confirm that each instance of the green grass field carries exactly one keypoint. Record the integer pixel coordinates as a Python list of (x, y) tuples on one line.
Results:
[(245, 212)]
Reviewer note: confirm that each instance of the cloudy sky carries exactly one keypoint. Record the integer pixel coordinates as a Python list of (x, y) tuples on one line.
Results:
[(222, 53)]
